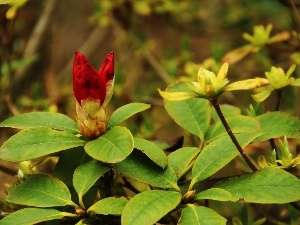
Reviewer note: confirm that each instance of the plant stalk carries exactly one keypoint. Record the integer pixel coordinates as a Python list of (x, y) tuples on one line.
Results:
[(216, 105)]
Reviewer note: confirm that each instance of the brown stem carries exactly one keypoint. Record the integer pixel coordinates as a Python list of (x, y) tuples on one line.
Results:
[(216, 105)]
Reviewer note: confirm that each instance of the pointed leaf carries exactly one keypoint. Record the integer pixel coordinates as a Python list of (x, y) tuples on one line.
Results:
[(139, 167), (216, 155), (269, 185), (42, 119), (112, 147), (191, 114), (29, 216), (124, 112), (40, 191), (68, 161), (148, 207), (155, 153), (181, 159), (86, 175), (237, 124), (217, 194), (200, 215), (278, 124), (109, 206), (34, 143)]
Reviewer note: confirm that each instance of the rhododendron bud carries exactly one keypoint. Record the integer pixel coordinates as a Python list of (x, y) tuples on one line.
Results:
[(93, 90)]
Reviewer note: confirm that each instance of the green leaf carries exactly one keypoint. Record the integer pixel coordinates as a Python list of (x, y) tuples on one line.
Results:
[(149, 148), (109, 206), (227, 110), (124, 112), (42, 119), (237, 124), (34, 143), (192, 114), (86, 175), (200, 215), (68, 161), (112, 147), (216, 155), (181, 159), (269, 185), (29, 216), (139, 167), (278, 124), (40, 191), (217, 194), (148, 207)]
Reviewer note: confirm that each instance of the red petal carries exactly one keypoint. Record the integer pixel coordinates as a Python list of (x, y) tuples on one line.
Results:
[(107, 67), (86, 80)]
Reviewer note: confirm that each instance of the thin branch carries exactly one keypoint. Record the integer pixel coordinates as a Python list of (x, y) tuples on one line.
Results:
[(216, 105), (36, 39)]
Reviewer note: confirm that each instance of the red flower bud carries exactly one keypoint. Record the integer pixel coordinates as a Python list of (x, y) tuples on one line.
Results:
[(87, 82), (93, 91)]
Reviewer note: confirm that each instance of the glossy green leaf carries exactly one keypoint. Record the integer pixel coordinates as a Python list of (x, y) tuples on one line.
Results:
[(181, 159), (217, 194), (216, 155), (278, 124), (139, 167), (238, 124), (200, 215), (34, 143), (124, 112), (269, 185), (86, 175), (149, 148), (42, 119), (40, 191), (29, 216), (148, 207), (112, 147), (192, 114), (109, 206)]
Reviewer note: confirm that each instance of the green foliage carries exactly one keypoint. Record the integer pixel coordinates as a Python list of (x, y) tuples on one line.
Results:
[(114, 146), (41, 191), (157, 203), (117, 178)]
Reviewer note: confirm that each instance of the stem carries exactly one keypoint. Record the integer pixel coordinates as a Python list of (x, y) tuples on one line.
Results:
[(272, 140), (216, 105)]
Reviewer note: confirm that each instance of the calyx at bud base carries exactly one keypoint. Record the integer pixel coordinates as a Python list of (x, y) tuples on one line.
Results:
[(93, 90)]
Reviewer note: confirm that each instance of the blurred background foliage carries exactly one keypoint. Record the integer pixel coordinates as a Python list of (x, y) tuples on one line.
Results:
[(155, 43)]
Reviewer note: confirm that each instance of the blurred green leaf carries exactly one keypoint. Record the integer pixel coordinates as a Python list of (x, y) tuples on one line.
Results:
[(200, 215), (124, 112), (156, 203), (155, 153), (42, 119), (40, 190), (34, 143), (29, 216), (269, 185), (109, 206), (112, 147), (139, 167), (278, 124)]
